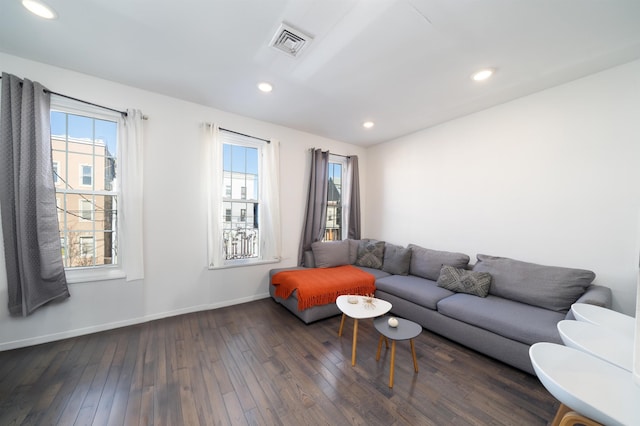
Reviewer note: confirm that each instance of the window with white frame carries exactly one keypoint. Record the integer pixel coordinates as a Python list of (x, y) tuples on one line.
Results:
[(86, 175), (335, 202), (244, 219), (241, 172), (84, 150)]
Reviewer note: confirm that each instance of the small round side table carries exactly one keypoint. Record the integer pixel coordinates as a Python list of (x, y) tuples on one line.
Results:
[(406, 330)]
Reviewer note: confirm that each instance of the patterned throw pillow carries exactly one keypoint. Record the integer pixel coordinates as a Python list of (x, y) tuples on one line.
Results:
[(370, 254), (463, 281)]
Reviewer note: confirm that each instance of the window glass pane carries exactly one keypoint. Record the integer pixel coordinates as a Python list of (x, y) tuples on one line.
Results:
[(84, 151), (240, 220), (333, 228)]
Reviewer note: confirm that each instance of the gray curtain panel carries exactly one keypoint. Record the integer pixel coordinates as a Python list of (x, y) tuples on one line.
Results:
[(354, 198), (35, 272), (316, 211)]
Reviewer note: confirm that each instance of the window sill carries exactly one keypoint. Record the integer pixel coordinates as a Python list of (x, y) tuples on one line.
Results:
[(243, 263), (83, 275)]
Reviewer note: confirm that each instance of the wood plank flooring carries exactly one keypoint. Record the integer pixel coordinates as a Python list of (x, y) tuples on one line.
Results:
[(256, 363)]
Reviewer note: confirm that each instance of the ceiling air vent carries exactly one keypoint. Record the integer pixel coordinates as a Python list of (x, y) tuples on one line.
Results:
[(290, 40)]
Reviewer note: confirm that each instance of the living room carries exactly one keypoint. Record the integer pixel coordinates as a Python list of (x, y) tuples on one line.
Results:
[(549, 177)]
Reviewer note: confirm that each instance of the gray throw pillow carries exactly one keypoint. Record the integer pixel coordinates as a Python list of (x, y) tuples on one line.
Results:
[(427, 263), (396, 259), (550, 287), (464, 281), (331, 253), (370, 254)]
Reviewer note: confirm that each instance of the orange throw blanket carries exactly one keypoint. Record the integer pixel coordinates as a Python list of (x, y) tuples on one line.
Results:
[(320, 286)]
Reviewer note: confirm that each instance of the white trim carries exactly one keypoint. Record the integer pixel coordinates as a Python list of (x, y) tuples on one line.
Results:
[(118, 324)]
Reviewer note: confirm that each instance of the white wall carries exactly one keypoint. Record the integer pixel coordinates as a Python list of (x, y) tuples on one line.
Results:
[(550, 178), (176, 277)]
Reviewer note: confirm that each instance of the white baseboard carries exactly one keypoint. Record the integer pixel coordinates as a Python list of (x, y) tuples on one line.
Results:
[(117, 324)]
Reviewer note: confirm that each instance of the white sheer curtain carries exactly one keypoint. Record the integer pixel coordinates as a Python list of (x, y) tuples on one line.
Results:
[(214, 188), (271, 242), (130, 150)]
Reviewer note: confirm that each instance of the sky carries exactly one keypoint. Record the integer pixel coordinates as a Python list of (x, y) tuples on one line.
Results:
[(85, 128)]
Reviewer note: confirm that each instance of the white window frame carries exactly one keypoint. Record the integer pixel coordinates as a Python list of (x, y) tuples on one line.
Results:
[(229, 138), (268, 219), (97, 272)]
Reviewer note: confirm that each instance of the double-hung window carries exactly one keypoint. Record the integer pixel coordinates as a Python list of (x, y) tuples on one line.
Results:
[(335, 202), (244, 220), (84, 147), (241, 172)]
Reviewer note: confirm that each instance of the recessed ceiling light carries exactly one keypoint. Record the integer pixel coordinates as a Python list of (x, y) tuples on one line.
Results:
[(40, 9), (482, 74), (265, 87), (368, 124)]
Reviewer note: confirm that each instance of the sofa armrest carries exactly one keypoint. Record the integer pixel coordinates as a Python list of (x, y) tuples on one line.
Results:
[(595, 295)]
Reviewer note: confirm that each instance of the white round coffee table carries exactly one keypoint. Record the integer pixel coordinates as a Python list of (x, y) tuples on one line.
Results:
[(604, 317), (594, 388), (359, 310), (606, 344)]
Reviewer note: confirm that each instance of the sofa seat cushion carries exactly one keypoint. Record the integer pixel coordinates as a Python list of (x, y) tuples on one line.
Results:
[(378, 273), (418, 290), (514, 320)]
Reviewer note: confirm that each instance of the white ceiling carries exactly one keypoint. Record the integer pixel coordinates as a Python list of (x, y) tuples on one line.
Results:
[(404, 64)]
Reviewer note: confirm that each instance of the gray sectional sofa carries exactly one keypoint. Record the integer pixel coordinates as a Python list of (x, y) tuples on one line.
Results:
[(498, 306)]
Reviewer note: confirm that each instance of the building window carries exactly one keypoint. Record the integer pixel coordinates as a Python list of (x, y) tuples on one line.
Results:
[(84, 147), (333, 227), (86, 209), (86, 248), (56, 166), (227, 215), (86, 175)]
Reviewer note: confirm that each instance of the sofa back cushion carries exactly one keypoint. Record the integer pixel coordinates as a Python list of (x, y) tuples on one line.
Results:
[(331, 253), (426, 263), (396, 260), (550, 287), (370, 254)]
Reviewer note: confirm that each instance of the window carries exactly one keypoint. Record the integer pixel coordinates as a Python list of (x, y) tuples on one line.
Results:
[(86, 247), (333, 228), (86, 209), (240, 165), (86, 175), (84, 146), (56, 165), (244, 217)]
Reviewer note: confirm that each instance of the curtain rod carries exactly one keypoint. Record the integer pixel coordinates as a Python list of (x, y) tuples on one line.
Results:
[(331, 153), (243, 134), (123, 113)]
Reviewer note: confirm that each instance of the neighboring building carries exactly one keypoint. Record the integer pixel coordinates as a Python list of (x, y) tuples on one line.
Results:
[(82, 169), (240, 224)]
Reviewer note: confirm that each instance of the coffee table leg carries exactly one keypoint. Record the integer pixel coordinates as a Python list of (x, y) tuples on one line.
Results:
[(355, 340), (379, 347), (413, 353), (341, 325), (393, 359)]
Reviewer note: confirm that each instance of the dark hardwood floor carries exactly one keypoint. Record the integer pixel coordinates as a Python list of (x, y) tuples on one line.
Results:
[(256, 363)]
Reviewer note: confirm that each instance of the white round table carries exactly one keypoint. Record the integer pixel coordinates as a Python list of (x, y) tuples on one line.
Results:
[(594, 388), (599, 341), (604, 317), (359, 310)]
